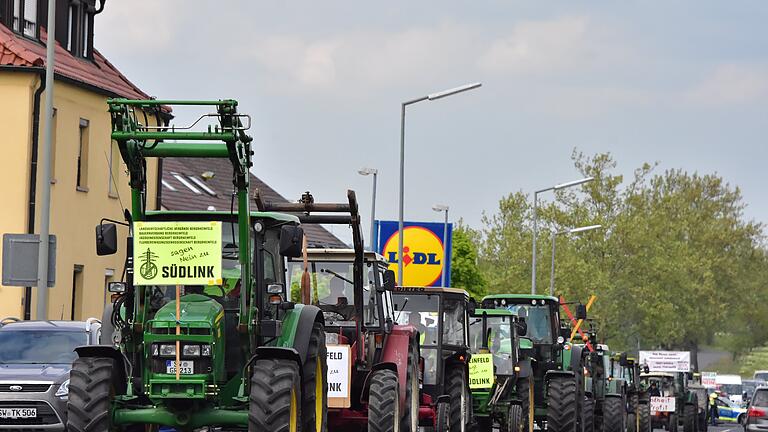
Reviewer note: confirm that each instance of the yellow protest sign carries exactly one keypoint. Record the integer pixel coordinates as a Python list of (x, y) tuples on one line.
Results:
[(481, 371), (177, 253)]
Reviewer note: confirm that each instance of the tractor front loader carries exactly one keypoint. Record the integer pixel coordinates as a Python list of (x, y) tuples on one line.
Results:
[(205, 334)]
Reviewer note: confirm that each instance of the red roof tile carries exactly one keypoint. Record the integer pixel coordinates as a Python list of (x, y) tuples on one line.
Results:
[(16, 50)]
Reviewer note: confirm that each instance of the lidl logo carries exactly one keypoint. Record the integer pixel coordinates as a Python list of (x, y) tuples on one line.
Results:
[(423, 261)]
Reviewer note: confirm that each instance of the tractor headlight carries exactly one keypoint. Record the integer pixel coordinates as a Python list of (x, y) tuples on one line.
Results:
[(190, 350), (167, 350), (275, 289), (63, 390), (206, 350), (560, 340)]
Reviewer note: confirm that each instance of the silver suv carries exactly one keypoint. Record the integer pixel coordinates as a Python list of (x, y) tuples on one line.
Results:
[(35, 360)]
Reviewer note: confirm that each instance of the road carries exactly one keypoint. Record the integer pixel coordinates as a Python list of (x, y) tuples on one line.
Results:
[(727, 427)]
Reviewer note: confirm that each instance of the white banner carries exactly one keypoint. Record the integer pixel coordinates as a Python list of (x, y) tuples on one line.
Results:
[(709, 379), (662, 404), (666, 361), (339, 364)]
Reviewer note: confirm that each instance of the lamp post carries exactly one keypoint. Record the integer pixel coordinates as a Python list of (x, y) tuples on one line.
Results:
[(554, 235), (431, 97), (535, 221), (443, 208), (375, 173)]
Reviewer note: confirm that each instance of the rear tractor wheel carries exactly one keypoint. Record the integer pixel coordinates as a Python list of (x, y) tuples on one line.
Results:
[(315, 386), (457, 387), (561, 404), (275, 399), (91, 388), (383, 402)]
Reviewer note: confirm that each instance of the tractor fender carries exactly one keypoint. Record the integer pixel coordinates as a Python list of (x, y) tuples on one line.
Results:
[(395, 351), (307, 318), (123, 366), (367, 382), (577, 355), (557, 373), (272, 352), (526, 369)]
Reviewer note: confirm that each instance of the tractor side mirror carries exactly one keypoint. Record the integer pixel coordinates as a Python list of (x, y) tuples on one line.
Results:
[(623, 360), (581, 312), (106, 239), (522, 327), (472, 306), (389, 280), (291, 237)]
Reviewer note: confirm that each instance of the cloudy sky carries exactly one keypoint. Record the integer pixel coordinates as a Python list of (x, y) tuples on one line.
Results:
[(684, 83)]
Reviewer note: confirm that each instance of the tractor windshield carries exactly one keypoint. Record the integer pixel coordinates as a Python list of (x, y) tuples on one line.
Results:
[(538, 319), (422, 312), (332, 289), (498, 341)]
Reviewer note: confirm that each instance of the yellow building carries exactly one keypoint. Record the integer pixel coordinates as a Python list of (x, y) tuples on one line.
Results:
[(88, 178)]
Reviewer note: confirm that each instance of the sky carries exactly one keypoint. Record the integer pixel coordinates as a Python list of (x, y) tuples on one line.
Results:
[(682, 83)]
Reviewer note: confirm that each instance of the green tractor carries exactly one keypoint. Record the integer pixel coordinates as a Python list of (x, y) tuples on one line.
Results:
[(204, 333), (558, 372), (628, 370), (605, 405), (497, 339)]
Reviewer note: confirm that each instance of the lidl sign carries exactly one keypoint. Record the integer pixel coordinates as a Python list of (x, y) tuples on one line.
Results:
[(177, 253), (423, 260)]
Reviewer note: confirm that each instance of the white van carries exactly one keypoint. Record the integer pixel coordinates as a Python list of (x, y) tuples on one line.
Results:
[(731, 384)]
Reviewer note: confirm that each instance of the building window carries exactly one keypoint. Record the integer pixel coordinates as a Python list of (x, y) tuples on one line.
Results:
[(76, 311), (82, 157), (30, 18), (20, 16), (79, 24)]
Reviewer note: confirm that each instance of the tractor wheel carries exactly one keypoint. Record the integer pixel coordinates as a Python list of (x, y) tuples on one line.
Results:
[(644, 417), (315, 387), (457, 388), (672, 425), (275, 399), (588, 415), (514, 420), (91, 388), (384, 402), (631, 422), (632, 415), (689, 418), (443, 417), (613, 418), (410, 419), (524, 388), (561, 404)]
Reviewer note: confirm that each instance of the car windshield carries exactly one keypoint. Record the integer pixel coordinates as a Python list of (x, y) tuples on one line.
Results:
[(40, 346), (538, 320), (761, 376), (332, 289), (731, 389)]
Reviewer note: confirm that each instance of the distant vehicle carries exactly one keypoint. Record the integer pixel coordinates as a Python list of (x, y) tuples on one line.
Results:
[(731, 385), (729, 411), (761, 375), (35, 361), (749, 387), (757, 411)]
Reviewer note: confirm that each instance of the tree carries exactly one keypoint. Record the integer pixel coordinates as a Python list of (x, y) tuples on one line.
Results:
[(464, 270)]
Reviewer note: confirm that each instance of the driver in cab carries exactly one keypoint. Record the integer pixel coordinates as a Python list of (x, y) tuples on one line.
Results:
[(337, 302)]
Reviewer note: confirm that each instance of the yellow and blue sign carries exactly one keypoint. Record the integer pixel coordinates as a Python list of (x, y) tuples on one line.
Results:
[(423, 258)]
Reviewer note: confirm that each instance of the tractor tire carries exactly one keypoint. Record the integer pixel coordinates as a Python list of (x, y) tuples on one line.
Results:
[(644, 417), (482, 424), (384, 402), (409, 421), (275, 398), (315, 385), (672, 425), (561, 404), (91, 388), (514, 420), (689, 418), (443, 417), (457, 387), (631, 422), (588, 415), (523, 387), (613, 415)]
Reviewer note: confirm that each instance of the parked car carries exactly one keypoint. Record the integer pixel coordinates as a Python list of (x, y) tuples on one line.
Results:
[(35, 360), (729, 411), (757, 411)]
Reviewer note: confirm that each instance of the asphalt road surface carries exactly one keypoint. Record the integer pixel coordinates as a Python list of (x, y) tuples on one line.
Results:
[(722, 427)]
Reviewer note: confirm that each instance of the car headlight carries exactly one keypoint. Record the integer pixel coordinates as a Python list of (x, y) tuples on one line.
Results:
[(190, 350), (167, 350), (206, 351), (63, 390)]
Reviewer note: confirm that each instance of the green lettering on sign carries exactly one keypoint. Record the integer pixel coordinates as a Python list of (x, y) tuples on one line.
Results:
[(177, 253), (481, 371)]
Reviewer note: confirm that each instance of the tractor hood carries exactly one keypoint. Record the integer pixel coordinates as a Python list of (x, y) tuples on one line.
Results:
[(196, 311)]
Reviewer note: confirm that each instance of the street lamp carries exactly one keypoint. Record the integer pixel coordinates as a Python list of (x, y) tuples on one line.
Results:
[(535, 220), (431, 97), (443, 208), (555, 234), (375, 173)]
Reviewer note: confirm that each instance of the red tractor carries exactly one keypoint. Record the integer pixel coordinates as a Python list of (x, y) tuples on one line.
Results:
[(373, 364)]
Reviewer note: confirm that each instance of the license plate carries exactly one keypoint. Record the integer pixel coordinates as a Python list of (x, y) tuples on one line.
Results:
[(187, 367), (18, 413)]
